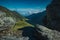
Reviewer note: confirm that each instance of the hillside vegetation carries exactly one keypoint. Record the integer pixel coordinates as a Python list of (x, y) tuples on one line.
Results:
[(19, 19)]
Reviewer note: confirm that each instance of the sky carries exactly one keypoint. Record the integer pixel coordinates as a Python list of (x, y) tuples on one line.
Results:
[(32, 6)]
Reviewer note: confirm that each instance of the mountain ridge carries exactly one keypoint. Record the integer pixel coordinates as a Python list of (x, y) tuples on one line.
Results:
[(37, 18)]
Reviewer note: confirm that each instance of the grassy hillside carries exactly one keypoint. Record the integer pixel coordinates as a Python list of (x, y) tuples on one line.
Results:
[(20, 20), (21, 24)]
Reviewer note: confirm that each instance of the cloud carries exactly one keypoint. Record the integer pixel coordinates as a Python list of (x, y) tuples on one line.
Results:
[(27, 11)]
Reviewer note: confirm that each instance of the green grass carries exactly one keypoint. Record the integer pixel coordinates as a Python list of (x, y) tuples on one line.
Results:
[(21, 24)]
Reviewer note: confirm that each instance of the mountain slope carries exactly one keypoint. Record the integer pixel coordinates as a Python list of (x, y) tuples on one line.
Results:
[(11, 13), (53, 15), (37, 18), (20, 20)]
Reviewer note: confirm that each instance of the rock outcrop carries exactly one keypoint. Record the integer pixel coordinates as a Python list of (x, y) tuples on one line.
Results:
[(53, 15), (50, 34), (6, 22)]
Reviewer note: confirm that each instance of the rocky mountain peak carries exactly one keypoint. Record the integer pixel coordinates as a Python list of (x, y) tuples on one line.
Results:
[(53, 15)]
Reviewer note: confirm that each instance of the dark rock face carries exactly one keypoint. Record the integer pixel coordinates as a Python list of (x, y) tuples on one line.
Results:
[(53, 15), (32, 33)]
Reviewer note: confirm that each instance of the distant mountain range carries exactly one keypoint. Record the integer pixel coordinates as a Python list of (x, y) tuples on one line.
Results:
[(27, 12), (37, 18)]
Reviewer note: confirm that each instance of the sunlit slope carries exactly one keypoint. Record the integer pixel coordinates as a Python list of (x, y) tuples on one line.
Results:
[(21, 24), (20, 20)]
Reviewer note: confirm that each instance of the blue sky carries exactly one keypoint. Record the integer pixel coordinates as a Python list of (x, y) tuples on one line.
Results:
[(25, 5)]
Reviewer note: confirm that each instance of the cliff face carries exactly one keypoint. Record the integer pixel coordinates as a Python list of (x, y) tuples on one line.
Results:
[(53, 15)]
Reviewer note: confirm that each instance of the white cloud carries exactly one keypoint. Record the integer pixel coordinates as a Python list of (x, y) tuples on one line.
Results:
[(27, 11)]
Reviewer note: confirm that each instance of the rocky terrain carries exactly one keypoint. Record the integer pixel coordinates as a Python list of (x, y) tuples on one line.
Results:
[(51, 28), (10, 22), (50, 34), (53, 15), (13, 26)]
